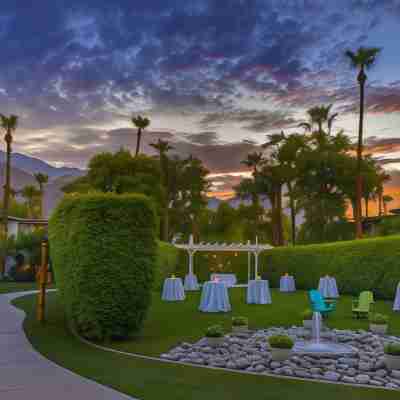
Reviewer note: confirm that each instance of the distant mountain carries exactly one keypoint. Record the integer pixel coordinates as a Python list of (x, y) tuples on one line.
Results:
[(32, 165), (24, 167)]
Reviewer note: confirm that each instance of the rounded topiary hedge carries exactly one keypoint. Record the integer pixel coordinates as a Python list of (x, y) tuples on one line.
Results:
[(103, 248)]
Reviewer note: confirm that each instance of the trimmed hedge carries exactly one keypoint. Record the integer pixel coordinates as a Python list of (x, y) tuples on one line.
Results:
[(104, 253), (357, 265), (167, 262)]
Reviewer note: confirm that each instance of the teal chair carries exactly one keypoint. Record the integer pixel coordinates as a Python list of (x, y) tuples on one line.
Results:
[(318, 303)]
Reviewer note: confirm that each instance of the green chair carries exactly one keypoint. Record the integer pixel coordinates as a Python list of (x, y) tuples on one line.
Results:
[(361, 307)]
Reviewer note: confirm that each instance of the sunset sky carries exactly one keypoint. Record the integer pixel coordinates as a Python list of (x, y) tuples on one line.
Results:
[(214, 76)]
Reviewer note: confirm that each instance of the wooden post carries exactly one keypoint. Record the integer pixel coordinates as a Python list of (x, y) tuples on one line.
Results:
[(41, 304)]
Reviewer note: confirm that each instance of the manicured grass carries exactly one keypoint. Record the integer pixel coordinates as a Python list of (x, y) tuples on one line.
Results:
[(7, 287), (150, 380), (171, 323)]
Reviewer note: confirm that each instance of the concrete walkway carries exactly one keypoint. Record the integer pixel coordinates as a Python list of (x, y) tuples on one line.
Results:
[(25, 374)]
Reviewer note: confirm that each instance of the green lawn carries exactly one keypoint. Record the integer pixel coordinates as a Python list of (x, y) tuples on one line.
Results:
[(7, 287), (171, 323)]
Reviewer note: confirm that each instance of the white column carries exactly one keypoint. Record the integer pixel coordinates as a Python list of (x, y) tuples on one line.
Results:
[(256, 264), (191, 253), (248, 266)]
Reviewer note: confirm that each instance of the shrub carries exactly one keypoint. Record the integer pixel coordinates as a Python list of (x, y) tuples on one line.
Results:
[(358, 265), (280, 342), (240, 321), (379, 319), (307, 315), (392, 349), (104, 251), (215, 331)]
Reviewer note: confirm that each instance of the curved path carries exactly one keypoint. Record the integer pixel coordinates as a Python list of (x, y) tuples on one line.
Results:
[(26, 374)]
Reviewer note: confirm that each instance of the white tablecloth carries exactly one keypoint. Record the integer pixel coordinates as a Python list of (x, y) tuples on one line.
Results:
[(396, 305), (191, 282), (287, 284), (258, 292), (173, 290), (214, 297), (328, 288), (228, 279)]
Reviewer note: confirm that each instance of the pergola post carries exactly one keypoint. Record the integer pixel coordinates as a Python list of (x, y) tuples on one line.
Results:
[(256, 264), (191, 254), (248, 264)]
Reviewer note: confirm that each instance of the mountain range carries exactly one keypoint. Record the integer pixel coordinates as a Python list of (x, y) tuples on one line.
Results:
[(23, 168)]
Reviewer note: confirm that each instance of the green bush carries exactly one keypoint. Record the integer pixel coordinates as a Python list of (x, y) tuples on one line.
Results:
[(215, 331), (240, 321), (392, 349), (368, 264), (390, 225), (103, 249), (280, 342), (379, 319), (166, 265)]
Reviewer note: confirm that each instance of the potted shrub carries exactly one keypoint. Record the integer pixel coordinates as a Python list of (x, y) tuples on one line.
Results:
[(215, 335), (392, 356), (281, 347), (240, 324), (378, 323), (307, 316)]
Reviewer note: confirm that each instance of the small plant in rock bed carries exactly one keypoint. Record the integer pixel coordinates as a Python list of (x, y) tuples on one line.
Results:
[(280, 342), (392, 349), (379, 319), (215, 331), (240, 321)]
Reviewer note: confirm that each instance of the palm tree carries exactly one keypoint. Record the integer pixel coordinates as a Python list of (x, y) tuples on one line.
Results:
[(41, 179), (331, 118), (140, 123), (318, 115), (30, 194), (362, 59), (253, 160), (386, 199), (162, 146), (9, 124)]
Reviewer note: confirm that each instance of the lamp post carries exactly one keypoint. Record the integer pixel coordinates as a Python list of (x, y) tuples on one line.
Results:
[(41, 303)]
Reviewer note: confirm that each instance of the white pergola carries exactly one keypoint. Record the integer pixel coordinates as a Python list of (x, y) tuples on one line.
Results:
[(249, 248)]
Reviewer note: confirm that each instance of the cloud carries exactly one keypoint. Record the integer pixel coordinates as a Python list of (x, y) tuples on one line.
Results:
[(252, 120), (216, 71)]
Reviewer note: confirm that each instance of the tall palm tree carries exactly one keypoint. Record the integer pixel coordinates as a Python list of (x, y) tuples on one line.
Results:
[(362, 59), (140, 123), (331, 118), (41, 179), (9, 125), (319, 115), (30, 194), (253, 160), (162, 146), (386, 199)]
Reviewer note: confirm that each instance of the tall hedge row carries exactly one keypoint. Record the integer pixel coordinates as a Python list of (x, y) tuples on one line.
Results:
[(368, 264), (104, 253), (167, 263)]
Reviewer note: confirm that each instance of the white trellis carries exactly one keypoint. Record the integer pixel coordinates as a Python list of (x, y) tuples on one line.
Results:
[(191, 247)]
